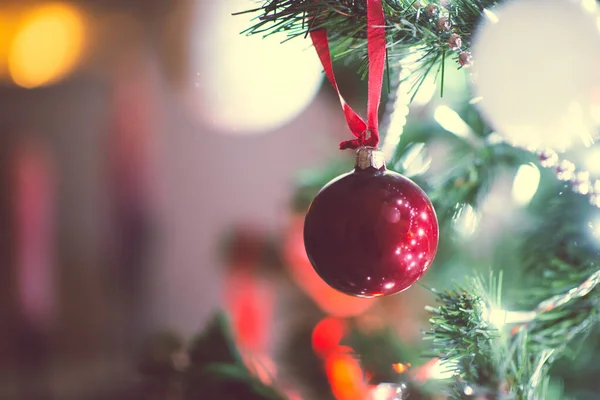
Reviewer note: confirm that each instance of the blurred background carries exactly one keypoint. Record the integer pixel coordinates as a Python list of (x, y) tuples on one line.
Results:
[(134, 135), (155, 166)]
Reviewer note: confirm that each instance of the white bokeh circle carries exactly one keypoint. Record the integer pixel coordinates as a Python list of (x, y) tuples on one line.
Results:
[(247, 84), (537, 71)]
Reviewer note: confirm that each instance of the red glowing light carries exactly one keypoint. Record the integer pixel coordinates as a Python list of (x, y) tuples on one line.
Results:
[(327, 334)]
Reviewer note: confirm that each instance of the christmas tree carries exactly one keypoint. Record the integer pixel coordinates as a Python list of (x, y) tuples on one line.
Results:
[(491, 108)]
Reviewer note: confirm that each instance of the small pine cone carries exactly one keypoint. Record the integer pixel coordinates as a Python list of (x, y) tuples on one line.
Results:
[(454, 41), (465, 59), (444, 24), (432, 10)]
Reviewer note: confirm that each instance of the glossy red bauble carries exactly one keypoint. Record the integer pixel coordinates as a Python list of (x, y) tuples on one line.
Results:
[(371, 232), (329, 300)]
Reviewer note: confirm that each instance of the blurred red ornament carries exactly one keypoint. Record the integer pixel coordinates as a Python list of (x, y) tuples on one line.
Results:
[(327, 299), (250, 303), (327, 335), (249, 297), (371, 232)]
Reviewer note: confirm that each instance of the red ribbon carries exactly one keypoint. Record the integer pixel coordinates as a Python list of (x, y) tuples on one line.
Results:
[(367, 133)]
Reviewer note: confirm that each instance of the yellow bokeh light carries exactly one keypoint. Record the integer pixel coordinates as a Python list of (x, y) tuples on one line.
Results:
[(47, 45), (8, 23)]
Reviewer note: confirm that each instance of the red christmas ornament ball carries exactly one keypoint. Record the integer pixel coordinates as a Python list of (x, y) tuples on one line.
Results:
[(371, 232)]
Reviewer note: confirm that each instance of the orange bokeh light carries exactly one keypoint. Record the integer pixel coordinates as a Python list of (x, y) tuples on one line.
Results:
[(345, 375), (47, 45), (401, 368)]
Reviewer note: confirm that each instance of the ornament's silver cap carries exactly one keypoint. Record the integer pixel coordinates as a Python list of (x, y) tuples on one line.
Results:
[(369, 157)]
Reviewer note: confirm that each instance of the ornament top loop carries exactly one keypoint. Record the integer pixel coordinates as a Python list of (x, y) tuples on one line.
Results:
[(369, 157), (376, 53)]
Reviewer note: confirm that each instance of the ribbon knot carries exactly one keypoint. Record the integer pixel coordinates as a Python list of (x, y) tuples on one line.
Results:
[(376, 44), (366, 138)]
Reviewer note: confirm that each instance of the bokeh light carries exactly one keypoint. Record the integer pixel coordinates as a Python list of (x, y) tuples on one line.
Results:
[(525, 184), (327, 335), (247, 84), (540, 93), (451, 121), (592, 160), (345, 375), (47, 45)]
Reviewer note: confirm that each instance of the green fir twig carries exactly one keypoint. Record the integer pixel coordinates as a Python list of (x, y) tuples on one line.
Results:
[(411, 26), (511, 362)]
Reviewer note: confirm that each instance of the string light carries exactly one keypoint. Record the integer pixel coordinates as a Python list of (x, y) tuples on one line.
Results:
[(397, 107), (565, 170), (396, 111)]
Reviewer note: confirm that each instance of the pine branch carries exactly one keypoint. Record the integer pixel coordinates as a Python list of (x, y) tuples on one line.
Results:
[(561, 263), (427, 32), (507, 363), (469, 346)]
